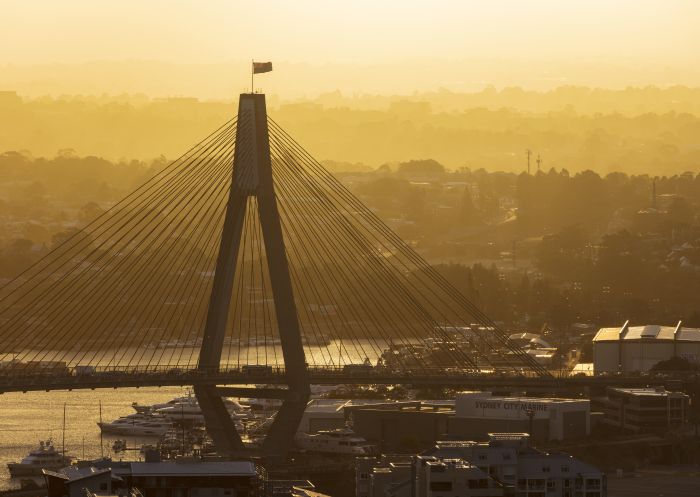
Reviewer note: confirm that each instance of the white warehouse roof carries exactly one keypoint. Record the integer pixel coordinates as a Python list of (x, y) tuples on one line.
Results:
[(649, 332)]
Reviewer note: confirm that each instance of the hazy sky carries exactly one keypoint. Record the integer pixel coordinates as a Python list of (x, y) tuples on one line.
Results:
[(645, 35)]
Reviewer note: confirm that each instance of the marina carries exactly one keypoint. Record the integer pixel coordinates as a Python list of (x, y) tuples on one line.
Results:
[(25, 418), (44, 457)]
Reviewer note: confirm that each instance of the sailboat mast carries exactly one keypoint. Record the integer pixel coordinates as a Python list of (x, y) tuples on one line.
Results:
[(64, 429), (102, 446)]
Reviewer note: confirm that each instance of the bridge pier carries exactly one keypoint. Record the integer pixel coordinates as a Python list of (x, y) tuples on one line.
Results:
[(219, 424), (252, 177)]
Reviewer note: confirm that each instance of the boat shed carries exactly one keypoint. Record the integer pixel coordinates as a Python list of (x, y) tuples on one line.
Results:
[(638, 348)]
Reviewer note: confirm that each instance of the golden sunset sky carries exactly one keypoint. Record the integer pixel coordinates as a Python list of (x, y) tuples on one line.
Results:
[(204, 48)]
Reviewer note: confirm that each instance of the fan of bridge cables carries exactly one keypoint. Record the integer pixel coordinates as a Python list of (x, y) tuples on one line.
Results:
[(132, 288)]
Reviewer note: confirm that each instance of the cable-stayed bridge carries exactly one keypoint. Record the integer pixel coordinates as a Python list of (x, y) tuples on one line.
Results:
[(244, 262)]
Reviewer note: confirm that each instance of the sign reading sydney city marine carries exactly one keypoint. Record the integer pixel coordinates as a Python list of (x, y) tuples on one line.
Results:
[(510, 405)]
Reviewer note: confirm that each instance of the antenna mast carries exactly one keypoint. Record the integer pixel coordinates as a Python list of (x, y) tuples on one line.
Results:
[(529, 153)]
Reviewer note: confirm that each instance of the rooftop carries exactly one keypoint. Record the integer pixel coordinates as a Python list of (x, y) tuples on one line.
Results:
[(648, 332), (223, 468), (508, 436), (649, 391), (488, 396)]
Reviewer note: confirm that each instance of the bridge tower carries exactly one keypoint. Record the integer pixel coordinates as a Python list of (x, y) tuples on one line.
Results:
[(252, 177)]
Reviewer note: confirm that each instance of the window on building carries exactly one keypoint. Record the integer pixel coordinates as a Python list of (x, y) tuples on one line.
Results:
[(441, 486), (545, 469), (522, 483), (592, 483), (564, 469), (652, 402), (535, 483), (482, 457), (103, 486), (364, 476), (478, 483), (551, 485)]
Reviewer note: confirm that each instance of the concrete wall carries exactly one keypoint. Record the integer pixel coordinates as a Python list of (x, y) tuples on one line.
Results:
[(477, 429), (640, 355), (575, 424), (489, 413), (400, 430)]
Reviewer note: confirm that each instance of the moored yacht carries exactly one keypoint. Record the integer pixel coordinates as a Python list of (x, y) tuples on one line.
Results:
[(43, 457), (145, 409), (339, 441), (137, 425), (188, 410)]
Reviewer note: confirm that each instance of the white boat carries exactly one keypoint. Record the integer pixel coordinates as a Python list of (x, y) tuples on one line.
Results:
[(44, 457), (187, 409), (137, 425), (267, 405), (339, 441), (262, 404), (145, 409)]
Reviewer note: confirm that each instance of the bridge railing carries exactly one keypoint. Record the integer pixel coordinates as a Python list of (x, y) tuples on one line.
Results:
[(60, 373), (22, 373)]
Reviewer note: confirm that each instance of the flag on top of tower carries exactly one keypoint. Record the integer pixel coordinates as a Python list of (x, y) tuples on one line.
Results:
[(259, 67)]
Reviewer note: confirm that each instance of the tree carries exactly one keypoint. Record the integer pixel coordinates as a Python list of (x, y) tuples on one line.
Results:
[(680, 211), (469, 213), (564, 253), (90, 211), (675, 363), (423, 167)]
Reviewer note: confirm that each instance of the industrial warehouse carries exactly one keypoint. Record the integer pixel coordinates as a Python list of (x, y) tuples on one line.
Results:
[(477, 413), (472, 416), (640, 348)]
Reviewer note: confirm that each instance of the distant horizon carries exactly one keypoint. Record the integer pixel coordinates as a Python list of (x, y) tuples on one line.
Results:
[(636, 130), (298, 80)]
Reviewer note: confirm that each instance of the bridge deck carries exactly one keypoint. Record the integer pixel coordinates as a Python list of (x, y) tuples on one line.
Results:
[(38, 381)]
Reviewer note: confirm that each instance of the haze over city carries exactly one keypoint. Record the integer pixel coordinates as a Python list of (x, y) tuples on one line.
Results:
[(349, 249)]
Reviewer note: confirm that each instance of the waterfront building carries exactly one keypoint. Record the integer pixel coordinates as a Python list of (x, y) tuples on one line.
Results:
[(75, 482), (478, 413), (505, 465), (413, 426), (195, 478), (639, 348), (644, 410), (155, 478), (401, 426)]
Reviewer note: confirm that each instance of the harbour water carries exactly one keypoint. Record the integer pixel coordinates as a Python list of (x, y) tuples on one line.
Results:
[(336, 352), (27, 418)]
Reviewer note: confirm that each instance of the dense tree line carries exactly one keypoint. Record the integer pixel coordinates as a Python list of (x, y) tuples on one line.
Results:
[(584, 247)]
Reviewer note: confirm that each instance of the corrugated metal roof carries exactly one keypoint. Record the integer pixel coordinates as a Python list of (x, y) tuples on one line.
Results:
[(221, 468), (648, 332)]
